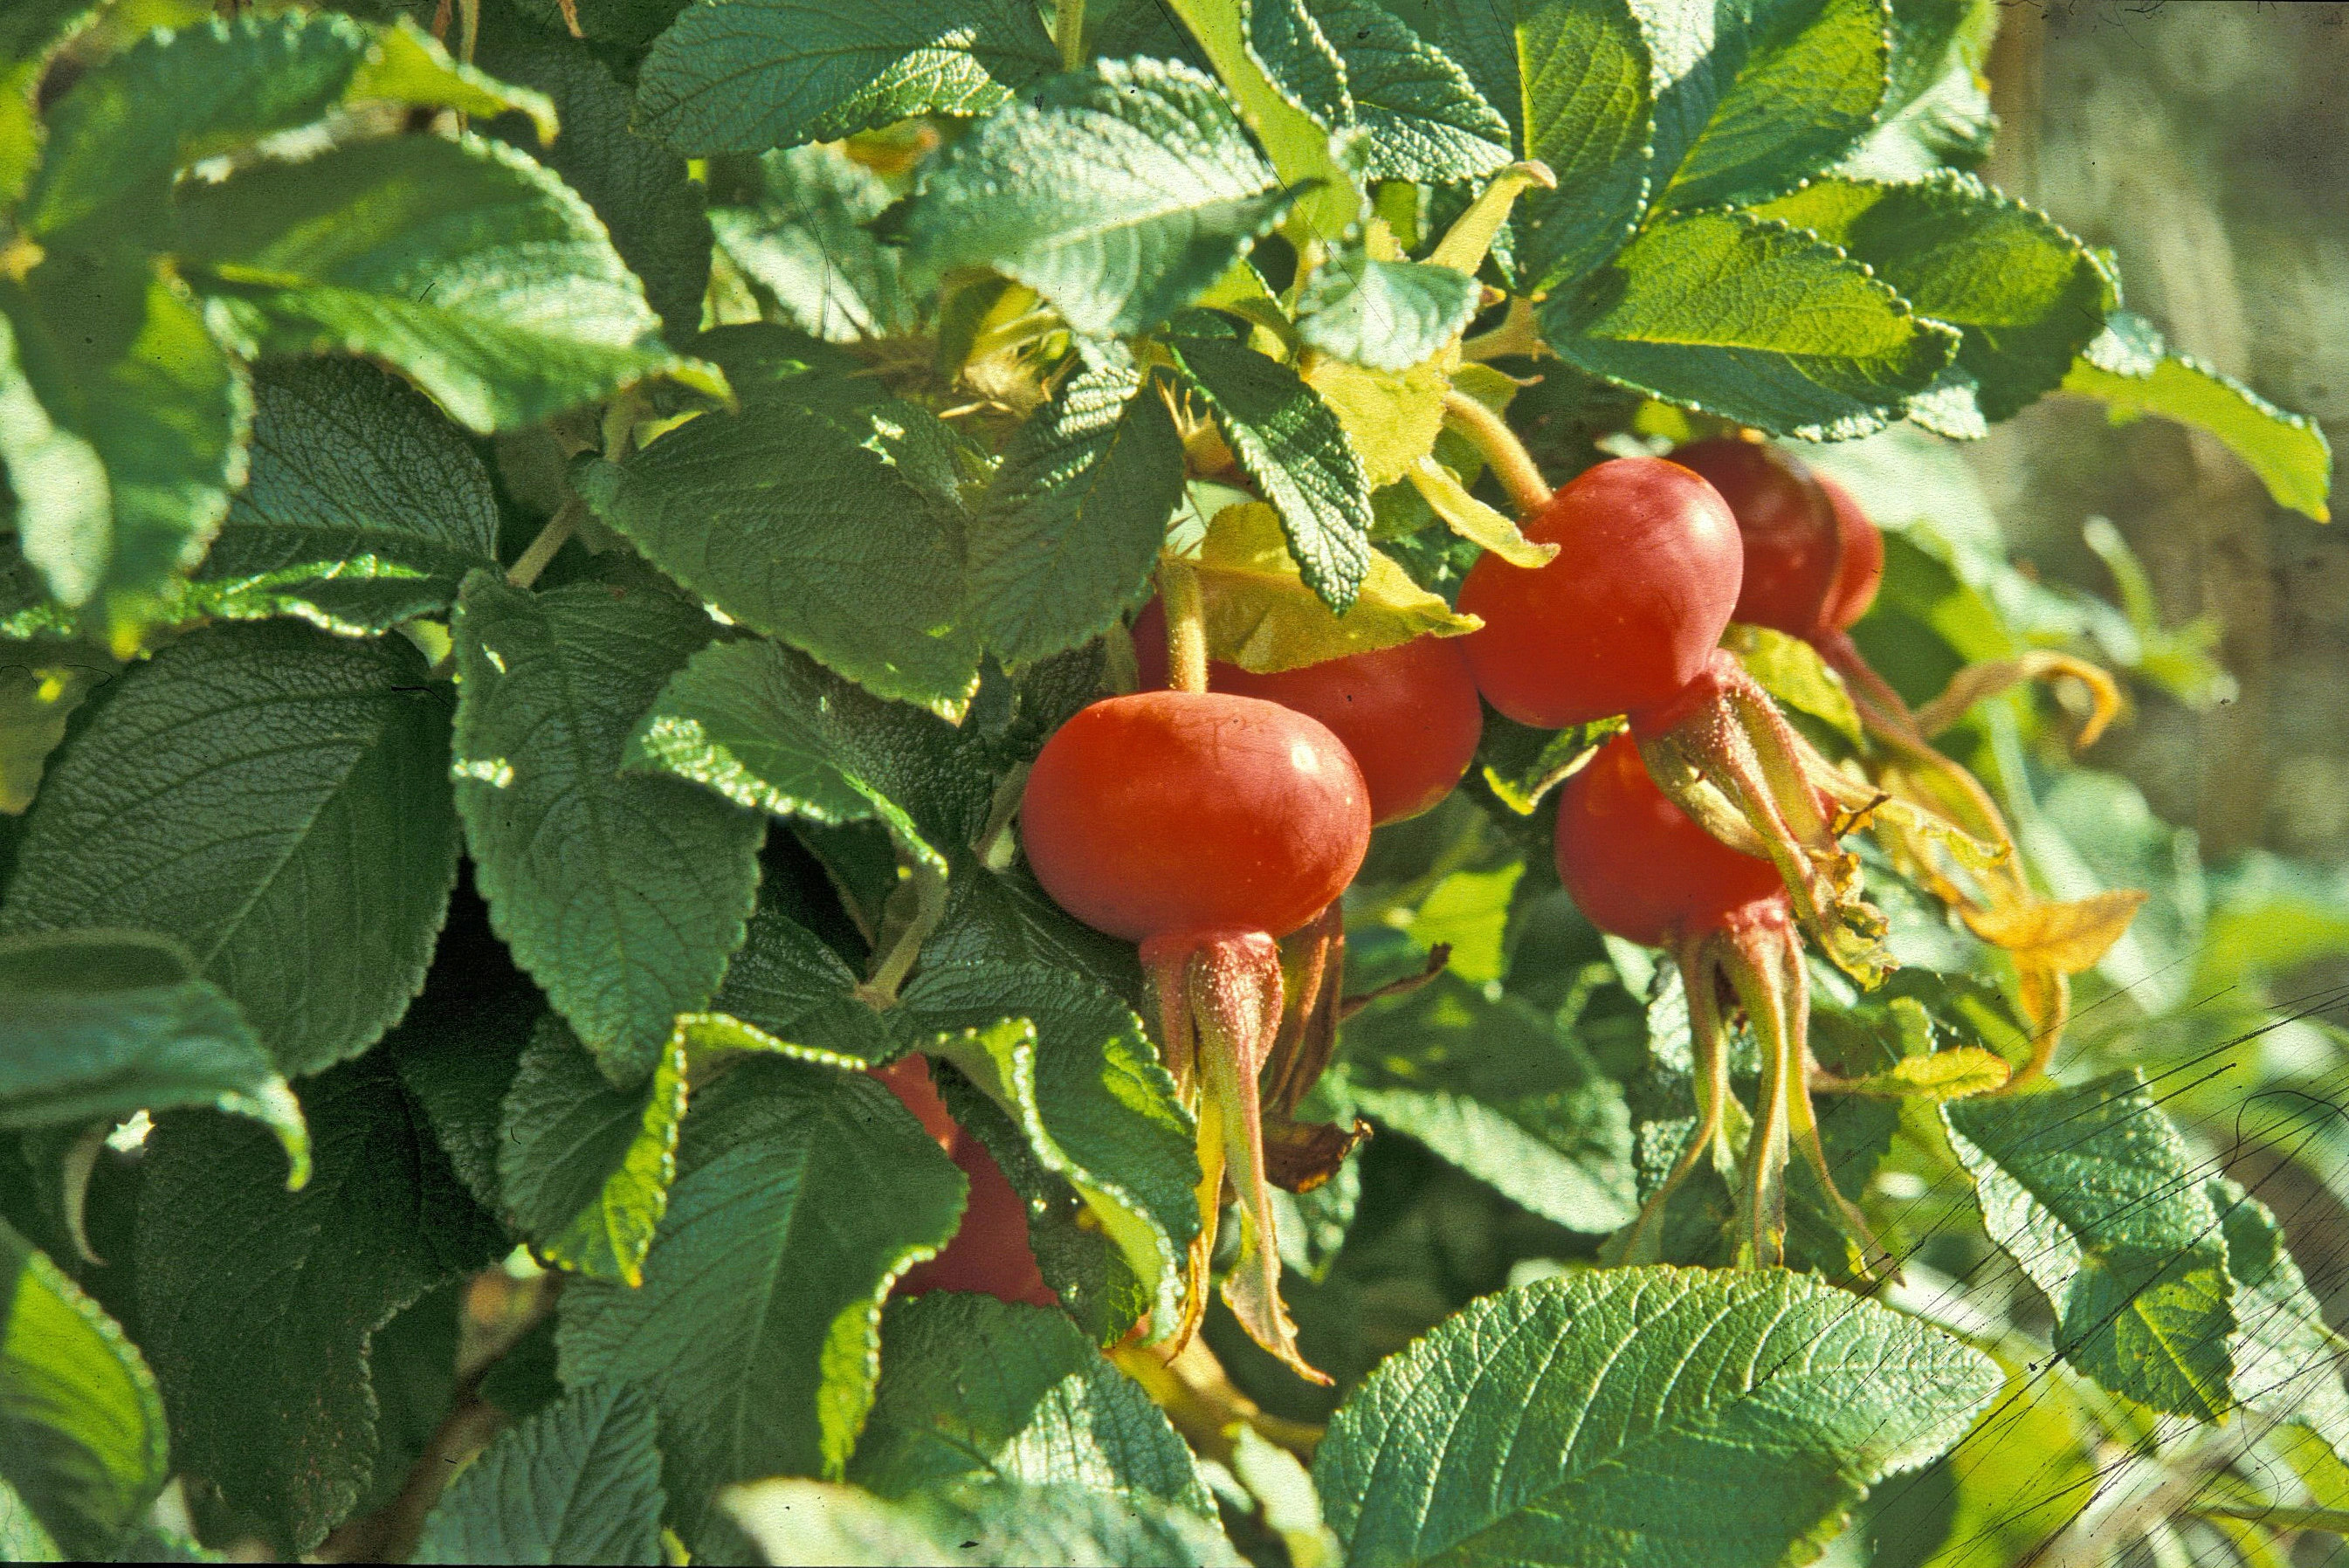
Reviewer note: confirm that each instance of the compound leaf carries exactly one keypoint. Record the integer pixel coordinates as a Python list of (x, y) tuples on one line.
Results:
[(1425, 119), (1119, 194), (742, 75), (622, 895), (802, 1192), (577, 1482), (229, 1260), (1626, 1416), (1588, 108), (277, 800)]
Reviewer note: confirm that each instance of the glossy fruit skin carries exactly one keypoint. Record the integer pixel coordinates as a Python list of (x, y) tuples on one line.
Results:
[(1792, 549), (1861, 568), (1624, 617), (989, 1253), (1167, 814), (1638, 866), (1409, 713)]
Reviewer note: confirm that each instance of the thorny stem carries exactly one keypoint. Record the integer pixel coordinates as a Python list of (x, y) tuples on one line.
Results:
[(1186, 624), (551, 539), (1511, 463)]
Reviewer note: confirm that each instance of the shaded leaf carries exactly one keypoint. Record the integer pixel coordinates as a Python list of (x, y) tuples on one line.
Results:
[(802, 1194), (577, 1482), (1589, 108), (1072, 525), (102, 1024), (583, 1167), (785, 982), (997, 1523), (365, 506), (277, 801), (227, 1259), (621, 895), (806, 242), (975, 1387)]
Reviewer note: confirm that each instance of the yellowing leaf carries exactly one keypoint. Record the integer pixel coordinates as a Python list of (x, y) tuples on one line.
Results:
[(1261, 616), (1472, 519), (2067, 936), (1952, 1074), (1393, 418), (1791, 670), (1464, 244)]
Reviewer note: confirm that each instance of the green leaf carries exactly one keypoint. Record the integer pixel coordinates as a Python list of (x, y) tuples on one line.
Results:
[(82, 1438), (1388, 315), (1589, 108), (785, 982), (1022, 1016), (101, 1023), (366, 507), (1294, 448), (274, 799), (2093, 1194), (638, 188), (122, 426), (228, 1261), (975, 1387), (1791, 670), (988, 1523), (30, 31), (1521, 764), (1074, 517), (770, 730), (1425, 120), (1760, 96), (2287, 451), (807, 242), (802, 1192), (1119, 194), (742, 75), (584, 1167), (577, 1482), (1642, 1416), (2025, 293), (459, 1047), (2287, 1362), (462, 263), (410, 66), (41, 685), (171, 99), (1289, 86), (790, 520), (1494, 1088), (621, 895), (1750, 321)]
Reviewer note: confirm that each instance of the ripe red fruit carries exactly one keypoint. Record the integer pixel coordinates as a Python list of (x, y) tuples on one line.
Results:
[(1638, 866), (1408, 714), (1169, 814), (1861, 571), (1627, 615), (1788, 525), (989, 1253)]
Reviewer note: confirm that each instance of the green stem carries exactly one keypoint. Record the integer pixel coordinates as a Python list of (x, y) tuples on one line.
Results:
[(1186, 624), (551, 539), (1510, 463), (1069, 33)]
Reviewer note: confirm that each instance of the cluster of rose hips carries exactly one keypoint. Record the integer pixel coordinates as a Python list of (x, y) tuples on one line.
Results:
[(1206, 825)]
